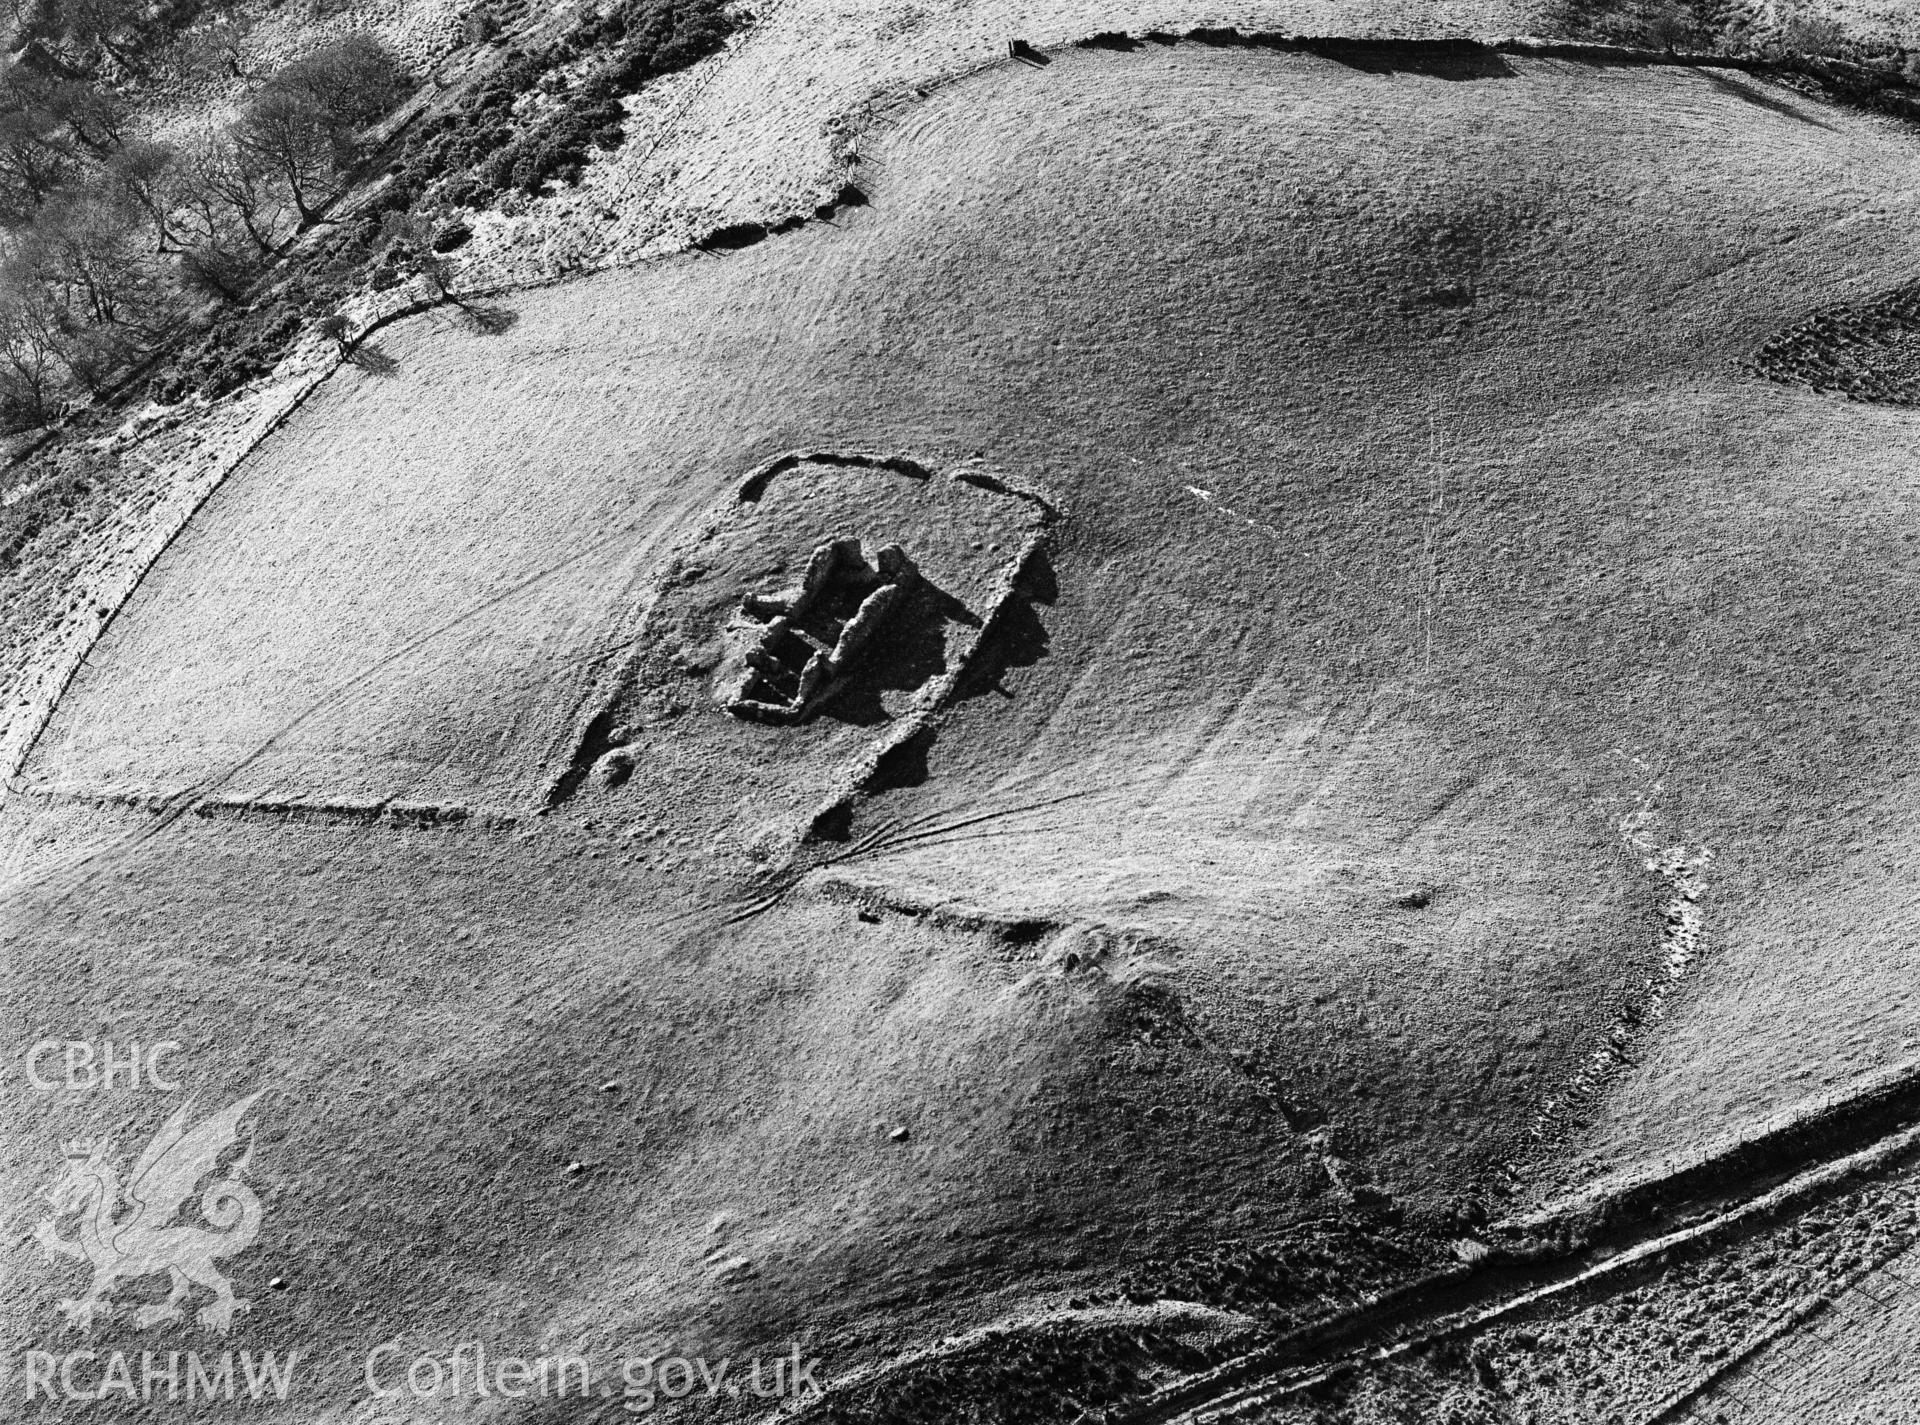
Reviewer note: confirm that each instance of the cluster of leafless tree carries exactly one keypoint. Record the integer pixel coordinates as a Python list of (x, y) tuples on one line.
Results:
[(1780, 29), (109, 237)]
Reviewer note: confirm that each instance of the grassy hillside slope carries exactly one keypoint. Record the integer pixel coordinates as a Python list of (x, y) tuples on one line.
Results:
[(1420, 529)]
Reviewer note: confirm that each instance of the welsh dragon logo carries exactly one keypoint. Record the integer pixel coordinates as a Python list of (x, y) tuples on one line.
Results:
[(127, 1233)]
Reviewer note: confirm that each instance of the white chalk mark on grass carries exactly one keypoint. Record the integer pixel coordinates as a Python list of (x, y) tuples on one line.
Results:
[(1205, 497)]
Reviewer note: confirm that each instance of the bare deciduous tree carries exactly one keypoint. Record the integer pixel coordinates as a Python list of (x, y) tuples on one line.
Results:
[(227, 200), (1668, 25), (96, 116), (410, 236), (351, 81), (86, 249), (34, 162), (110, 229), (112, 27), (288, 135), (221, 49), (1801, 33), (145, 175), (31, 370), (335, 327)]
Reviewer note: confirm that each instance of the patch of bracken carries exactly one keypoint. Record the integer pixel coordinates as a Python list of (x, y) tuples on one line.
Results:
[(483, 147), (1868, 351)]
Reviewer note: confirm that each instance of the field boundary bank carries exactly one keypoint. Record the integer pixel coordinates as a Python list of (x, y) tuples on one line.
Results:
[(290, 810), (1022, 932)]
